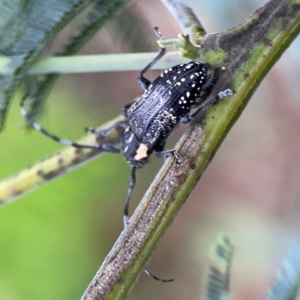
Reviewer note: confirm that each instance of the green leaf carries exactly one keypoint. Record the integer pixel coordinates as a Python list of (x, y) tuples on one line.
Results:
[(26, 29), (99, 14)]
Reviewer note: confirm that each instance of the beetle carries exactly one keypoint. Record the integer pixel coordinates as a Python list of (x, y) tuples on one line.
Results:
[(151, 117), (165, 103)]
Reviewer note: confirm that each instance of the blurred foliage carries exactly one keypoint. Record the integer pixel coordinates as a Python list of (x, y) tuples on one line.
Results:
[(218, 285), (95, 18), (26, 29), (47, 244), (286, 285)]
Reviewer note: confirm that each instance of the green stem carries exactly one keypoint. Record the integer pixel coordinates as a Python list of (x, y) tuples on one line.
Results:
[(93, 63)]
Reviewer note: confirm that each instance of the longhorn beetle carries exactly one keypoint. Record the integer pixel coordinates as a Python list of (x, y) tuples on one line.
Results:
[(151, 117)]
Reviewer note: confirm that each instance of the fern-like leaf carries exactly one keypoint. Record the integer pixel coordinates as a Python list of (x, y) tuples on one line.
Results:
[(219, 271), (286, 284)]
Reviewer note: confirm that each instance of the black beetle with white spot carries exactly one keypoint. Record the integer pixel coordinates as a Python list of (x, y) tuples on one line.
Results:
[(151, 117)]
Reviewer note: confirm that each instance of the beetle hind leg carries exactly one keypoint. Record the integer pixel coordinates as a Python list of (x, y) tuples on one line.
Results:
[(144, 82), (206, 104)]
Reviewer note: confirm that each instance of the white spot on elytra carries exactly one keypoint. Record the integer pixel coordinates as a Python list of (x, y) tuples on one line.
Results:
[(183, 79), (192, 76), (130, 138), (178, 83), (193, 85), (187, 94)]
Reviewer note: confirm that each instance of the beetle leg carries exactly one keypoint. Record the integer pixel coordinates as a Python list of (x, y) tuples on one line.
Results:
[(144, 82), (123, 124), (166, 153), (110, 148), (211, 101), (106, 146), (186, 119)]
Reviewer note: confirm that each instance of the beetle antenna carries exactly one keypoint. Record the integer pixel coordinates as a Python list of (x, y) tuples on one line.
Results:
[(132, 182), (47, 133), (156, 278)]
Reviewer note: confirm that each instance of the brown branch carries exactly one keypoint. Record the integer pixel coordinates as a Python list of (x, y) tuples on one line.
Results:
[(246, 54)]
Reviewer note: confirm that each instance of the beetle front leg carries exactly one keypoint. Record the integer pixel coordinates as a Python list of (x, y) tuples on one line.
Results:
[(123, 124), (106, 146), (167, 153)]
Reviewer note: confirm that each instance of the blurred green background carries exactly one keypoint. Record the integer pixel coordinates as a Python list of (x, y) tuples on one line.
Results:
[(53, 240)]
